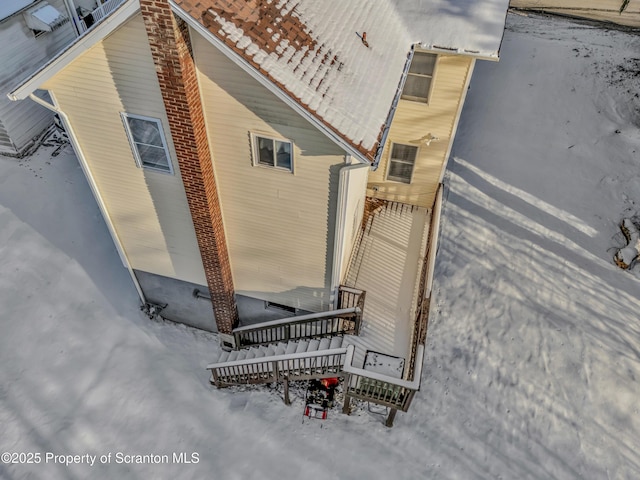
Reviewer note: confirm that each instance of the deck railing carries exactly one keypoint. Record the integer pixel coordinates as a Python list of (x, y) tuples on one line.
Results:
[(315, 325), (99, 13), (419, 334), (351, 297), (295, 366), (346, 320), (391, 392)]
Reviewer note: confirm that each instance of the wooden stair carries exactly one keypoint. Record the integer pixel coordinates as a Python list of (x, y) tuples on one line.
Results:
[(293, 360)]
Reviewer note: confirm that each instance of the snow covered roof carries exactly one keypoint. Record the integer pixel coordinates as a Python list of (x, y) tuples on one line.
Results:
[(9, 7), (464, 26), (313, 55), (314, 51)]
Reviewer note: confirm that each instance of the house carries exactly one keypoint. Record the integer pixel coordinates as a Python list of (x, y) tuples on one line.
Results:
[(31, 32), (623, 12), (262, 165)]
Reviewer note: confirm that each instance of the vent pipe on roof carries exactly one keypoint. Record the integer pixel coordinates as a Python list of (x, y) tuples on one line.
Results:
[(363, 37)]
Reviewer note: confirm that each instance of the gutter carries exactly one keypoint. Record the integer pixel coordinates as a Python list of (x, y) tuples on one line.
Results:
[(341, 221), (392, 112), (94, 188)]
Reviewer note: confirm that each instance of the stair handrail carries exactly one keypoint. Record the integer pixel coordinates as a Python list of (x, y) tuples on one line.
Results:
[(280, 358), (313, 325), (298, 319)]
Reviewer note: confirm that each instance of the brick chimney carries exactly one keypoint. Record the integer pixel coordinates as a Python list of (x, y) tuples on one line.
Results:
[(173, 57)]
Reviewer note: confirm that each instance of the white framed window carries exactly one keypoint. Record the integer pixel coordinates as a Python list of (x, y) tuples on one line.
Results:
[(148, 142), (401, 162), (272, 152), (417, 86)]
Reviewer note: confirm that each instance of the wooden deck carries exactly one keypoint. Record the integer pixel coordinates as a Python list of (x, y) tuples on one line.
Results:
[(387, 264)]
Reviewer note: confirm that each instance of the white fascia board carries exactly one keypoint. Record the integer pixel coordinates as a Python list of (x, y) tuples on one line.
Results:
[(492, 57), (268, 84), (73, 51)]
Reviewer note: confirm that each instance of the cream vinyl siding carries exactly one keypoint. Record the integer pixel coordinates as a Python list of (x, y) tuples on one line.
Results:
[(21, 55), (603, 10), (356, 185), (279, 225), (411, 123), (148, 208)]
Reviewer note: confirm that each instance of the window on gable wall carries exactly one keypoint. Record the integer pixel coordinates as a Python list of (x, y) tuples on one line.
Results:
[(401, 162), (417, 87), (148, 142), (272, 152)]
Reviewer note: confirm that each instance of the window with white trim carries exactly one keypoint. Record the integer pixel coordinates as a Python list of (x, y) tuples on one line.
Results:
[(272, 152), (148, 142), (401, 162), (417, 86)]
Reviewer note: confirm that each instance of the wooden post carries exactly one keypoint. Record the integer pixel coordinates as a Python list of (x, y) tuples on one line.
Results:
[(347, 405), (346, 408), (391, 417), (287, 401)]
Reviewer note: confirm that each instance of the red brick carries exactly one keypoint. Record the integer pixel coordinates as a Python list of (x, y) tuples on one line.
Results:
[(172, 55)]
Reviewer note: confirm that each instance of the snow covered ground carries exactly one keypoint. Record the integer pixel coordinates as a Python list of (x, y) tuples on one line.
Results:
[(534, 343)]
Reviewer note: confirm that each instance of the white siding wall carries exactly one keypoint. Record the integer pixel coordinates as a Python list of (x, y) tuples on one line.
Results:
[(149, 209), (353, 212), (279, 226), (21, 53)]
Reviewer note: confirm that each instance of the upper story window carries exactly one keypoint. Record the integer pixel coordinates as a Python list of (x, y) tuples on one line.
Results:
[(401, 162), (272, 152), (148, 142), (417, 87)]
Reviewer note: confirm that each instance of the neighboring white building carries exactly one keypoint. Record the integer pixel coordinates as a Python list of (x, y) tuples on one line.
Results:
[(623, 12), (31, 33)]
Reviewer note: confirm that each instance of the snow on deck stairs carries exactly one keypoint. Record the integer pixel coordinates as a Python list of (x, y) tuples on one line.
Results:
[(293, 360)]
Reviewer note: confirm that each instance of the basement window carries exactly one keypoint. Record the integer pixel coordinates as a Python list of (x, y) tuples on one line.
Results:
[(401, 162), (148, 142), (419, 80), (278, 306), (272, 152)]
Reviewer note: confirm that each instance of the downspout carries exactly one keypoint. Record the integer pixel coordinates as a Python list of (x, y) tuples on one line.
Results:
[(341, 214), (94, 188)]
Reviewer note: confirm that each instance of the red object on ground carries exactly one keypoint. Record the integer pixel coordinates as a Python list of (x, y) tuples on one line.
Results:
[(330, 382)]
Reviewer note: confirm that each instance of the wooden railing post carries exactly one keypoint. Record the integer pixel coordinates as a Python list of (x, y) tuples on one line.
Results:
[(287, 401), (358, 321), (346, 407), (391, 417)]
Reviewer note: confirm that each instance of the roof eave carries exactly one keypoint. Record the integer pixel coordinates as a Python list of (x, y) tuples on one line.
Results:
[(491, 56), (269, 85), (74, 50)]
